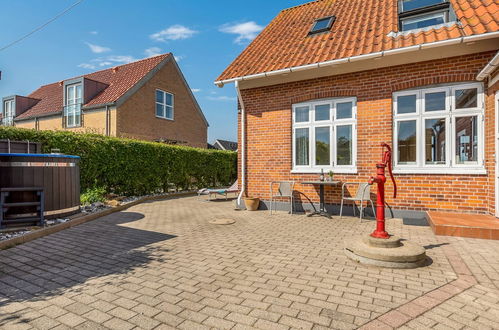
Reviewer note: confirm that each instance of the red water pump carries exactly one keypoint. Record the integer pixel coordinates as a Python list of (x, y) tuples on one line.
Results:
[(380, 179)]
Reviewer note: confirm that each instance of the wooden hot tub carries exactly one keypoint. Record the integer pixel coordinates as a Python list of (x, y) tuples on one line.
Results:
[(58, 175)]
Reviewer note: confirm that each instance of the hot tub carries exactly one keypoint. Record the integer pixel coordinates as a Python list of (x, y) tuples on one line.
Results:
[(59, 175)]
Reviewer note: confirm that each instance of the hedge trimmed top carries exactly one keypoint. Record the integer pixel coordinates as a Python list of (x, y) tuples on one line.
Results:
[(133, 167)]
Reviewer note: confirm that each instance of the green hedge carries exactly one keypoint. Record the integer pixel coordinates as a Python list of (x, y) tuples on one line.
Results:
[(132, 167)]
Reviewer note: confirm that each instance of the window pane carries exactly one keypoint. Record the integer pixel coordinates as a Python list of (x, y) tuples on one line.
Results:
[(423, 21), (344, 110), (70, 95), (344, 145), (77, 120), (160, 110), (413, 4), (406, 141), (169, 112), (169, 99), (466, 139), (301, 146), (321, 24), (466, 98), (159, 97), (78, 93), (434, 101), (406, 104), (301, 114), (70, 120), (322, 146), (435, 141), (322, 112)]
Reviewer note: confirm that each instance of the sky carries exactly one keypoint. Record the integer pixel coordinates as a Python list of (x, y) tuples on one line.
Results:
[(205, 37)]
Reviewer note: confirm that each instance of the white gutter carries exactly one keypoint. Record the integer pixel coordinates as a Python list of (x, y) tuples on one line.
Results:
[(489, 68), (243, 144), (221, 83)]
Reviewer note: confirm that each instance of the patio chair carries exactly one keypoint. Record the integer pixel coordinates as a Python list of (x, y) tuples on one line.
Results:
[(362, 195), (284, 190), (217, 192)]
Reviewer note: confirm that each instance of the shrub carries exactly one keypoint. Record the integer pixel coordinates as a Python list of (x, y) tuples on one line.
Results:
[(93, 195), (132, 167)]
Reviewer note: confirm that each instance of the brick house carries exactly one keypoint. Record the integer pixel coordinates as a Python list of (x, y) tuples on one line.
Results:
[(148, 99), (326, 82)]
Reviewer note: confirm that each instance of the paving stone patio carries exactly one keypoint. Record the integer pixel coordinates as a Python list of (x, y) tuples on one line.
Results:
[(162, 265)]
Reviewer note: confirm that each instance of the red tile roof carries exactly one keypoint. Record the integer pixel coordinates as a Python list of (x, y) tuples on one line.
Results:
[(120, 79), (361, 27)]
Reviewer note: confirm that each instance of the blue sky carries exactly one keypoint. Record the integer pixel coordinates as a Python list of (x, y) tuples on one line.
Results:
[(205, 36)]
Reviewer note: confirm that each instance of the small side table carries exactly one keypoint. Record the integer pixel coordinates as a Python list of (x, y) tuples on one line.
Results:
[(322, 205)]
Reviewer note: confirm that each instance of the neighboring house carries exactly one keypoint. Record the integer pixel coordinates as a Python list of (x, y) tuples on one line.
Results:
[(148, 99), (327, 81), (225, 145)]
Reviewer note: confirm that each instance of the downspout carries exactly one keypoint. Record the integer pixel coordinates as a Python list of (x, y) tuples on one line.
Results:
[(107, 121), (243, 145)]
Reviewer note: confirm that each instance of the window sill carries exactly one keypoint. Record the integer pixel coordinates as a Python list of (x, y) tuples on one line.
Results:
[(164, 118), (349, 170), (443, 170)]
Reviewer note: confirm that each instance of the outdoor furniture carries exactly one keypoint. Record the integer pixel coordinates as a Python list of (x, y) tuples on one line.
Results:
[(216, 192), (363, 194), (322, 205), (284, 190)]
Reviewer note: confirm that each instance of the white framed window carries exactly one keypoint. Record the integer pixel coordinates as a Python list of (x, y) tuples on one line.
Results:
[(421, 14), (439, 130), (72, 108), (325, 136), (164, 104), (8, 113)]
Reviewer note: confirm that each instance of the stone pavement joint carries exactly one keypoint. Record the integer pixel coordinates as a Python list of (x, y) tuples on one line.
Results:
[(162, 265)]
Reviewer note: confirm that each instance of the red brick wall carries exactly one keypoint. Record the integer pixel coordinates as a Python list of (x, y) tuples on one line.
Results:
[(269, 138)]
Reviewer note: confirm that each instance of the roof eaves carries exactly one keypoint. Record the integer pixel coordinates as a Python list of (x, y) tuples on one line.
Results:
[(489, 35)]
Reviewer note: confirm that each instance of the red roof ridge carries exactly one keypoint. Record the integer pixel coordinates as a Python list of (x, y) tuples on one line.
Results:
[(118, 82), (116, 66)]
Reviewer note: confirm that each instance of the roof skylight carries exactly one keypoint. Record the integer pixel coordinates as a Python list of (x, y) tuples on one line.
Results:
[(322, 24)]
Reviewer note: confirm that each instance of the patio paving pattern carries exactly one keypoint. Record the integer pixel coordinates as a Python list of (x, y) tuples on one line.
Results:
[(162, 265)]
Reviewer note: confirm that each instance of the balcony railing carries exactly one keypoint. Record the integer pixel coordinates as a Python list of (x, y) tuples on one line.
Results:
[(72, 115), (8, 121)]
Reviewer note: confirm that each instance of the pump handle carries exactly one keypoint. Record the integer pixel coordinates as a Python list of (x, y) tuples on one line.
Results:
[(387, 160)]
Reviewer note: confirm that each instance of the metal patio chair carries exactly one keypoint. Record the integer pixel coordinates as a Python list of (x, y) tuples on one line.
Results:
[(362, 195), (284, 190)]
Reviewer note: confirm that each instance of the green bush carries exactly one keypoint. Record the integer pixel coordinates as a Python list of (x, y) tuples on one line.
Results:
[(132, 167), (93, 195)]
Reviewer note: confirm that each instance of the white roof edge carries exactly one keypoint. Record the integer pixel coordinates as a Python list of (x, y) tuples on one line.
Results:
[(221, 83)]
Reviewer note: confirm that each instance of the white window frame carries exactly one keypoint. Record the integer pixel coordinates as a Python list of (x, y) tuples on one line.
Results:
[(450, 114), (332, 123), (72, 107), (423, 17), (164, 105), (8, 112)]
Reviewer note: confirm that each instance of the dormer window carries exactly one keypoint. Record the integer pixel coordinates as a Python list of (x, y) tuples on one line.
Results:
[(322, 24), (420, 14), (72, 107), (8, 112)]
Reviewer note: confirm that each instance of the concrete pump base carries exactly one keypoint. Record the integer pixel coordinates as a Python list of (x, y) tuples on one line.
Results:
[(391, 253)]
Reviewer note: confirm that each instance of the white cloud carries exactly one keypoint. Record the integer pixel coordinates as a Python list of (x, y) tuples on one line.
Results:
[(110, 60), (245, 31), (174, 32), (87, 66), (196, 90), (178, 57), (94, 32), (221, 98), (97, 49), (153, 51)]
